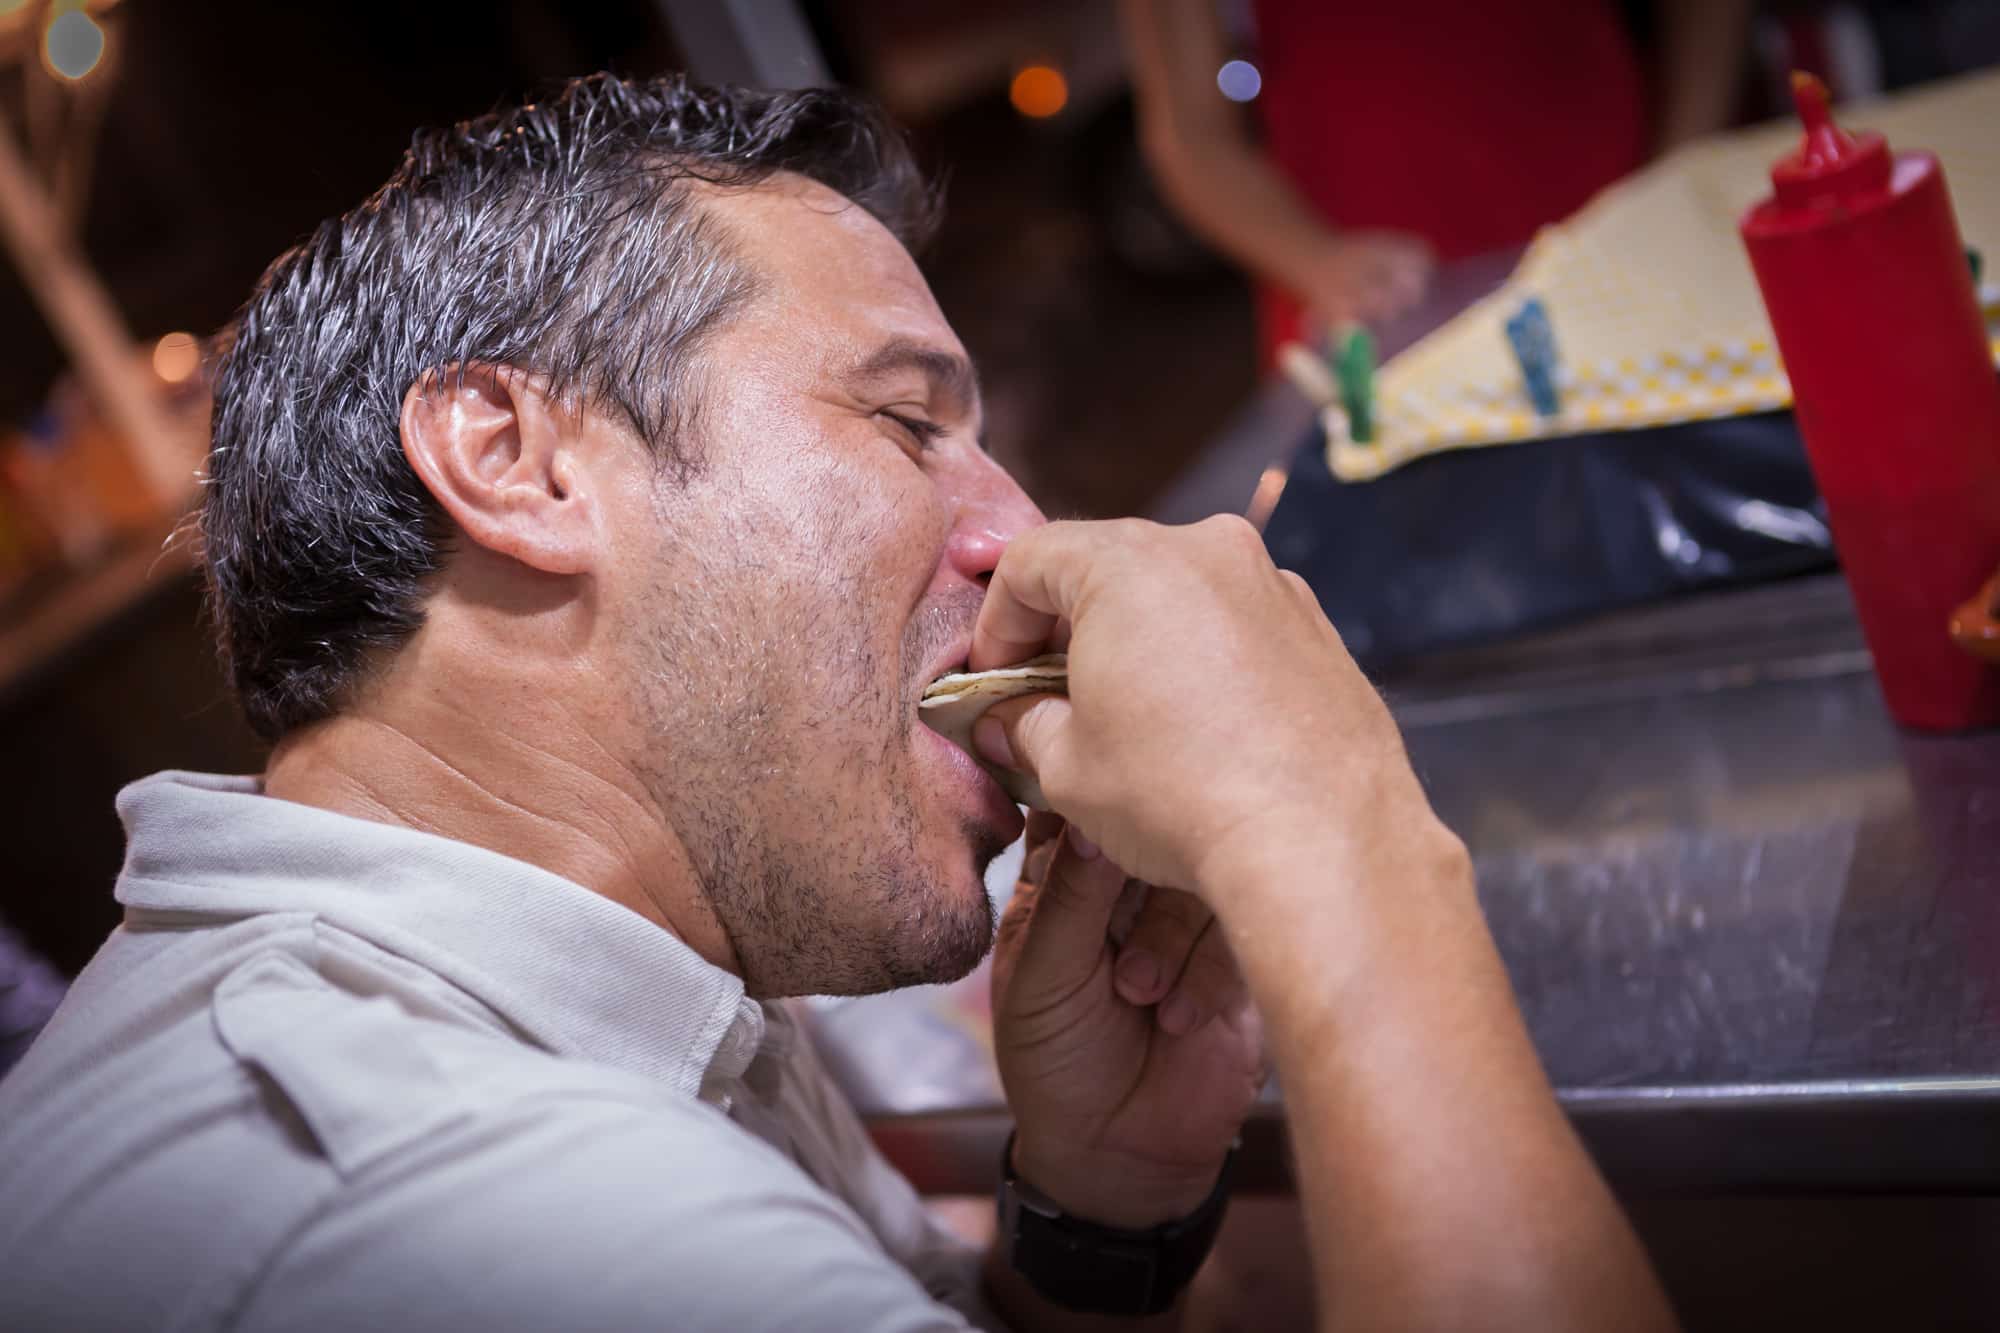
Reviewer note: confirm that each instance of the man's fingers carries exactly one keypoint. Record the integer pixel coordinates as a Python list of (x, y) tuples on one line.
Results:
[(1159, 945), (1211, 984), (1023, 734), (1070, 915), (1043, 835), (1176, 959), (1035, 585)]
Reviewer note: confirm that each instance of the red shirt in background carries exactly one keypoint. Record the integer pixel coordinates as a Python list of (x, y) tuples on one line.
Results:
[(1469, 124)]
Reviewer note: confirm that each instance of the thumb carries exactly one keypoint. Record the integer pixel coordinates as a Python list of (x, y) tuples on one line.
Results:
[(1027, 735)]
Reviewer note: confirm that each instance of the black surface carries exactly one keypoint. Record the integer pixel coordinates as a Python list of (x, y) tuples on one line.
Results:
[(1475, 544)]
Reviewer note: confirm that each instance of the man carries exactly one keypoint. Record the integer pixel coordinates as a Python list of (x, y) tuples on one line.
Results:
[(588, 511)]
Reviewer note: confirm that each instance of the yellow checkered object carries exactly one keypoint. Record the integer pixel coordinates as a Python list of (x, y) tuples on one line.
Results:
[(1656, 313)]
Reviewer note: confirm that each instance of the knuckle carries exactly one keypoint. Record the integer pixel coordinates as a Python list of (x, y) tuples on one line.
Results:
[(1126, 531), (1234, 532), (1054, 530), (1132, 537)]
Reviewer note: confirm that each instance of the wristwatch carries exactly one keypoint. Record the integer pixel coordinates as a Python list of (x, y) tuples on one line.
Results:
[(1096, 1269)]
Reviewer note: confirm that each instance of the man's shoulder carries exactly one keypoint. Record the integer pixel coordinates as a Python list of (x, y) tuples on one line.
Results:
[(364, 1048), (589, 1211), (460, 1148), (260, 1065), (375, 1071), (208, 1108)]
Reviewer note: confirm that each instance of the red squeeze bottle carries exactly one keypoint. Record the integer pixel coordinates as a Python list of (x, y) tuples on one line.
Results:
[(1866, 281)]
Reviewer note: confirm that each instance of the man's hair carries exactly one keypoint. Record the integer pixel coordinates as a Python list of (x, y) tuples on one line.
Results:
[(560, 238)]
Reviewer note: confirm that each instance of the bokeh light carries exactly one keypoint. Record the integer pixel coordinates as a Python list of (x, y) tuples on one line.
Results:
[(1039, 92), (73, 44), (1239, 81), (176, 357)]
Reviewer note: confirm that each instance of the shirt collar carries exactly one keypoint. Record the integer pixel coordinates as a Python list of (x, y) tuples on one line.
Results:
[(571, 970)]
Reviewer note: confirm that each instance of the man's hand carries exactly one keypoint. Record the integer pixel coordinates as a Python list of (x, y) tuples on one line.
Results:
[(1218, 738), (1129, 1066), (1212, 712)]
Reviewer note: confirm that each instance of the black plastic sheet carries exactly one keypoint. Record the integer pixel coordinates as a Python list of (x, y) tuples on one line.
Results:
[(1472, 545)]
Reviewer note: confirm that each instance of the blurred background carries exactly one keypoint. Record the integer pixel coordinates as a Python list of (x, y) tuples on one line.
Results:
[(154, 156)]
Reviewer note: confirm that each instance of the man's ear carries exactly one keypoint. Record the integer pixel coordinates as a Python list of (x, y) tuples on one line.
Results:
[(506, 463)]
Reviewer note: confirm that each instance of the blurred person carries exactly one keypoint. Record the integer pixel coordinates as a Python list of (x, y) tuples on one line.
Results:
[(1390, 137), (587, 512)]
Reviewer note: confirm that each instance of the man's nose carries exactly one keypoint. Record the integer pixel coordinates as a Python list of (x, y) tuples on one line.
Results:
[(990, 510)]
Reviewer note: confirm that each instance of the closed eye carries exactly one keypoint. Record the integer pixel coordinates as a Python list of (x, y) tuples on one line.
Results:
[(923, 432)]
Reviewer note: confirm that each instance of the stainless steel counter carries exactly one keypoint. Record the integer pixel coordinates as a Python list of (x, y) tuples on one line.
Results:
[(1753, 927)]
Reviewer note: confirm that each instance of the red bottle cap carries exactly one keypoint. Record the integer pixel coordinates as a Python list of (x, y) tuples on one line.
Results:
[(1829, 166)]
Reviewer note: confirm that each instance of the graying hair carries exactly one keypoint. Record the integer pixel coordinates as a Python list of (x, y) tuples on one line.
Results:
[(559, 238)]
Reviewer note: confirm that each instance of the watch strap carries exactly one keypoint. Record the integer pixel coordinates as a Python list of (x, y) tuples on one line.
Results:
[(1095, 1269)]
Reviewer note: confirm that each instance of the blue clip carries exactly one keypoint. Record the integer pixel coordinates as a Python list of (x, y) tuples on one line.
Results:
[(1534, 344)]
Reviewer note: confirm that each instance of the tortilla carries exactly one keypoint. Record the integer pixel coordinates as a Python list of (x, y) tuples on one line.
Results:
[(953, 703)]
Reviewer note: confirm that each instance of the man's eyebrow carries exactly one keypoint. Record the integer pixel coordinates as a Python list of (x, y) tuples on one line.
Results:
[(949, 373)]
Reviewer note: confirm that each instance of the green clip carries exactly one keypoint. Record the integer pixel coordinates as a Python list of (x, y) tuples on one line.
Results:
[(1978, 262), (1354, 366)]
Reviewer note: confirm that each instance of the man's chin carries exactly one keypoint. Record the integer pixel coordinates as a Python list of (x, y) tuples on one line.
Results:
[(923, 919), (956, 966), (949, 943), (947, 937)]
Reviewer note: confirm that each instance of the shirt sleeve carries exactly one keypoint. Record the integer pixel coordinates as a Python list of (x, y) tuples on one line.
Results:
[(585, 1215)]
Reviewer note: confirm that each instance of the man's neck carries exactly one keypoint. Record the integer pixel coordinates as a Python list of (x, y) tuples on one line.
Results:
[(519, 791)]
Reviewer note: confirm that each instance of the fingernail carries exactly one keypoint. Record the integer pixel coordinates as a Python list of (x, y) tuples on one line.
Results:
[(1085, 849), (990, 739), (1178, 1014), (1139, 971)]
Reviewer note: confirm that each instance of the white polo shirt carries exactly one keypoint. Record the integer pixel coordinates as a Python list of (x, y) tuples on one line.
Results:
[(332, 1074)]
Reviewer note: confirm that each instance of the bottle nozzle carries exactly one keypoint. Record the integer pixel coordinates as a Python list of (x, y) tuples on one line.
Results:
[(1809, 95), (1829, 162)]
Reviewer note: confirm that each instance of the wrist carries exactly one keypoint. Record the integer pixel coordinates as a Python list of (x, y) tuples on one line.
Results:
[(1319, 907), (1093, 1269), (1309, 864), (1115, 1190)]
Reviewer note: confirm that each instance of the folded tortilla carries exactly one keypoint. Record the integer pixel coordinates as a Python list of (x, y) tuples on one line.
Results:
[(953, 703)]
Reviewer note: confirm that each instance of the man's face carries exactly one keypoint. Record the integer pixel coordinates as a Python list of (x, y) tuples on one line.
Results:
[(791, 598)]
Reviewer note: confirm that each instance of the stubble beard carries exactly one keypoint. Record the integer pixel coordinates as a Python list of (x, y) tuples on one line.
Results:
[(820, 891)]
